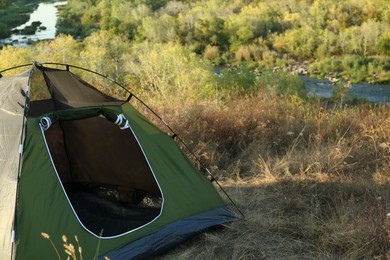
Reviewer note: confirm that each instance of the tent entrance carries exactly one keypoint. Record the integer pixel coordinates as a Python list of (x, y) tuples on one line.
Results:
[(105, 174)]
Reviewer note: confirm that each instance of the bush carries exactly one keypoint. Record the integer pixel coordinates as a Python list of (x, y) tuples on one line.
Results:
[(342, 95), (282, 83), (354, 68), (169, 70), (238, 80), (328, 65), (243, 54), (211, 53), (384, 44)]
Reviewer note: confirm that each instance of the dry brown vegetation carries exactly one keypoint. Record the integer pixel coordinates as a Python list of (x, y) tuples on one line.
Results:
[(312, 178)]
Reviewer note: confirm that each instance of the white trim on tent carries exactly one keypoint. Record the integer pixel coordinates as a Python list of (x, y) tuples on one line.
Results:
[(92, 233)]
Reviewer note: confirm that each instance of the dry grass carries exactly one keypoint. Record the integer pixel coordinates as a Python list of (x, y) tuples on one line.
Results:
[(313, 181)]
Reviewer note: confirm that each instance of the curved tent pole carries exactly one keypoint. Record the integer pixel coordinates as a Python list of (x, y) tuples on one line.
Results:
[(131, 95), (12, 68)]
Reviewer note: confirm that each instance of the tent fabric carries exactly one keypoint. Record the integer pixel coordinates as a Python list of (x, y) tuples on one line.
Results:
[(12, 100), (100, 171), (185, 193), (69, 90), (53, 89), (170, 235)]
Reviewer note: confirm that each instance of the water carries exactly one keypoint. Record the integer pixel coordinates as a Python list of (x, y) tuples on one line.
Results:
[(372, 92), (46, 13)]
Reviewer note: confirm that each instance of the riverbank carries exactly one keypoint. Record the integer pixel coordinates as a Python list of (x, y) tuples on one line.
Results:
[(14, 14), (376, 93), (20, 16), (315, 85), (351, 68)]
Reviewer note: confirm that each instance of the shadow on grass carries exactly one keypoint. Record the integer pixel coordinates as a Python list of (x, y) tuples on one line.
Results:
[(299, 220)]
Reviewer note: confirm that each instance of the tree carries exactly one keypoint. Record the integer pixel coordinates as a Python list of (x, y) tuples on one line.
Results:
[(318, 14), (163, 70), (103, 51), (13, 56), (70, 23), (370, 32), (301, 43), (328, 45), (209, 31), (384, 44), (162, 29), (65, 49)]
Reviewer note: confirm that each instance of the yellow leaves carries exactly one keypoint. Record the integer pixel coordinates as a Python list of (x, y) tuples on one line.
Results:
[(291, 17), (12, 56), (254, 11), (243, 53), (64, 49), (168, 69), (211, 53), (280, 43)]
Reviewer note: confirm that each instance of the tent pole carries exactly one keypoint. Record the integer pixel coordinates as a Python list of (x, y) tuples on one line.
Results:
[(15, 67)]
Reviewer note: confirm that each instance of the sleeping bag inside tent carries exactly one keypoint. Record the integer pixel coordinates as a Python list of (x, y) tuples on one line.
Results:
[(97, 172)]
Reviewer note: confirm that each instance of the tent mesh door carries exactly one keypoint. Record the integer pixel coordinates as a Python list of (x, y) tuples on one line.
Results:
[(105, 175)]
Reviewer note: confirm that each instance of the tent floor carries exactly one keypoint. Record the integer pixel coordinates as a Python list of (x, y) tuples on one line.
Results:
[(111, 218)]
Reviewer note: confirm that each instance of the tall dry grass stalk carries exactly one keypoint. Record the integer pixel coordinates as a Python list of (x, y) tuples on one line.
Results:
[(312, 179), (71, 252)]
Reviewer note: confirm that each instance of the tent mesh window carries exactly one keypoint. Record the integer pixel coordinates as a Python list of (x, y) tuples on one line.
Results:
[(105, 175)]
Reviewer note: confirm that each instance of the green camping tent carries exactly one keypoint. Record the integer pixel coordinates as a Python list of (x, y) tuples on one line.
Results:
[(79, 166)]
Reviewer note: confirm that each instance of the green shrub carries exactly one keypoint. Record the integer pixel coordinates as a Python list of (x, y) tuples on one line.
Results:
[(239, 80), (342, 95), (211, 53), (282, 83)]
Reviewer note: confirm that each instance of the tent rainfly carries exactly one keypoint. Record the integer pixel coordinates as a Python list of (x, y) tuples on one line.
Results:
[(81, 167)]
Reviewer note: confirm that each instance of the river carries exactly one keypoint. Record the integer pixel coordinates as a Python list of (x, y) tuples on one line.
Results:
[(46, 13), (376, 93)]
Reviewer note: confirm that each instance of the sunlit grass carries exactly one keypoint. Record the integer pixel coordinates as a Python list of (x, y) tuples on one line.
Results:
[(312, 177)]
